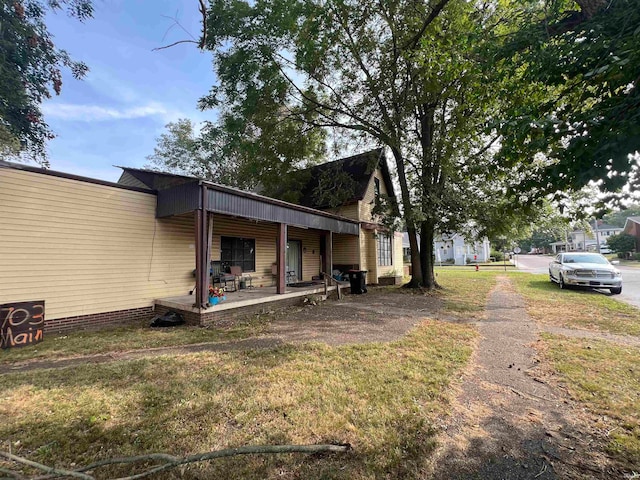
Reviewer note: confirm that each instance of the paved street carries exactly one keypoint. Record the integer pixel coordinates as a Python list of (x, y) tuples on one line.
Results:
[(630, 276)]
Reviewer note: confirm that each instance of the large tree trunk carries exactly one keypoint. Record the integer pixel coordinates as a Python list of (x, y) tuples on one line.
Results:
[(407, 213), (427, 233), (428, 174)]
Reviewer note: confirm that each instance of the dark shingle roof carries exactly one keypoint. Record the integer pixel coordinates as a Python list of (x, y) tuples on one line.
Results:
[(358, 167)]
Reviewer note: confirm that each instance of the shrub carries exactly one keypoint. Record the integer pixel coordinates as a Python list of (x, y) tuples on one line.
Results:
[(499, 256), (621, 255), (636, 256)]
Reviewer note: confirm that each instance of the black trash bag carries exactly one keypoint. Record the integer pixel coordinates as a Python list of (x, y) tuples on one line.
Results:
[(169, 319)]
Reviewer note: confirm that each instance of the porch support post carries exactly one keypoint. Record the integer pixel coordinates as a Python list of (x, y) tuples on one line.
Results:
[(328, 260), (202, 262), (281, 257)]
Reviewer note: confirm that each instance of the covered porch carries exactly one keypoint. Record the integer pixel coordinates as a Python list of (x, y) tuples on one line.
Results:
[(247, 297), (234, 228)]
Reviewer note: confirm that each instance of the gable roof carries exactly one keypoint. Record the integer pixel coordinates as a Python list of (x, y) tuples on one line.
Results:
[(628, 223), (358, 167)]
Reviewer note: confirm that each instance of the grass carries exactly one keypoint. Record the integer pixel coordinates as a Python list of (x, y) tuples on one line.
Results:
[(128, 338), (606, 378), (465, 292), (384, 399), (586, 309)]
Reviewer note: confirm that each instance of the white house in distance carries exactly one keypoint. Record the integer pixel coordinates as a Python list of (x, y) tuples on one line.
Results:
[(587, 241), (455, 248)]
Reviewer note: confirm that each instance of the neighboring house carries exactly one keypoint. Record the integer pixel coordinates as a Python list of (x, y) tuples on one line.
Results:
[(632, 227), (455, 249), (583, 240), (101, 253)]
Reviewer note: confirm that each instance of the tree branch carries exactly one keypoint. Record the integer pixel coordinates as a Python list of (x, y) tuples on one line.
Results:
[(57, 471), (170, 461), (174, 44), (413, 43)]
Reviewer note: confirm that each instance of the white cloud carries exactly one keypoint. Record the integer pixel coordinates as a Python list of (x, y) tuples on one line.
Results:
[(96, 113)]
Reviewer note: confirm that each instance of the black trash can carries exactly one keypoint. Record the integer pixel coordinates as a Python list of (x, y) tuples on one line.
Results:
[(358, 281)]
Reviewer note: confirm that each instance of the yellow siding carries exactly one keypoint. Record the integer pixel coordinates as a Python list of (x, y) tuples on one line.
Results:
[(368, 201), (265, 236), (396, 248), (87, 248), (345, 249), (368, 253), (310, 240), (349, 211)]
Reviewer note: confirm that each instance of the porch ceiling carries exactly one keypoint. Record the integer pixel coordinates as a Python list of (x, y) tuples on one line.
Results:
[(229, 201)]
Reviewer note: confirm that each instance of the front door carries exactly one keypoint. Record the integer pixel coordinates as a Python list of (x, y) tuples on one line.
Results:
[(294, 261)]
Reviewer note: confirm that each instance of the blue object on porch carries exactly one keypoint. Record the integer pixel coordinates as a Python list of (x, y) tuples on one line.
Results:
[(213, 300)]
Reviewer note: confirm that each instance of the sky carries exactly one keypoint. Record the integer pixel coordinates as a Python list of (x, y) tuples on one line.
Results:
[(115, 113)]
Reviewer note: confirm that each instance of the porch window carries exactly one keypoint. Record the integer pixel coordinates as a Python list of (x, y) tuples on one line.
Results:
[(384, 249), (238, 251)]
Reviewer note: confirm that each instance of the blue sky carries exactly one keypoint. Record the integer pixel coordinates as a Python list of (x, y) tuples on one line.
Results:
[(114, 115)]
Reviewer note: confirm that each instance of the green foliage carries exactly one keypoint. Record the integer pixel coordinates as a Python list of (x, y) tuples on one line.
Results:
[(619, 217), (622, 242), (31, 71), (572, 100), (405, 75), (499, 256)]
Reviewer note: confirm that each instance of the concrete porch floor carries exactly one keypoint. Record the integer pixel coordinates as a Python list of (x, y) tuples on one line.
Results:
[(243, 298)]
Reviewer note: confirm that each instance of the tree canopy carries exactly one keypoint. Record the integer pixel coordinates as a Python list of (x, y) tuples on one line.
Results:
[(30, 67), (487, 108), (405, 75), (573, 105)]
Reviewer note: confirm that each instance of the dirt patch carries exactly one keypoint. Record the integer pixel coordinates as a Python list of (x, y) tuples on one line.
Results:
[(508, 421), (378, 316)]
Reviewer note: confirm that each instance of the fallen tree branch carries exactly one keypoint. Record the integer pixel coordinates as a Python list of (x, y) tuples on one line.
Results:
[(170, 461), (57, 472)]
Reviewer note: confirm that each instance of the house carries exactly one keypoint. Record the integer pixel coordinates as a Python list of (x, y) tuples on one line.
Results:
[(581, 240), (455, 249), (632, 227), (102, 253), (351, 187)]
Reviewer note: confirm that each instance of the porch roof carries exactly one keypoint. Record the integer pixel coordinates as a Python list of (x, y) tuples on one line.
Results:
[(179, 194)]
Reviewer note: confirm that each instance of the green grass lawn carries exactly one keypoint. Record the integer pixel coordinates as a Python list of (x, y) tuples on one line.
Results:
[(128, 338), (586, 309), (606, 379), (465, 291), (386, 400)]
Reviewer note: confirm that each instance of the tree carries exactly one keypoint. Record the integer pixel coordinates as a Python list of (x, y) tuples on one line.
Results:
[(619, 217), (184, 150), (574, 104), (622, 242), (31, 71), (405, 75)]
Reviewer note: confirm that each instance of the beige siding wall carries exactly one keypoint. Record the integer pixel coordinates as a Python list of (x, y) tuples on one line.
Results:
[(396, 252), (87, 248), (310, 240), (368, 201), (345, 249), (350, 211), (265, 236), (368, 255)]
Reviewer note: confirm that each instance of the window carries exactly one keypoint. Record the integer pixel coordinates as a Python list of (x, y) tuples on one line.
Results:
[(238, 251), (384, 249), (376, 187)]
